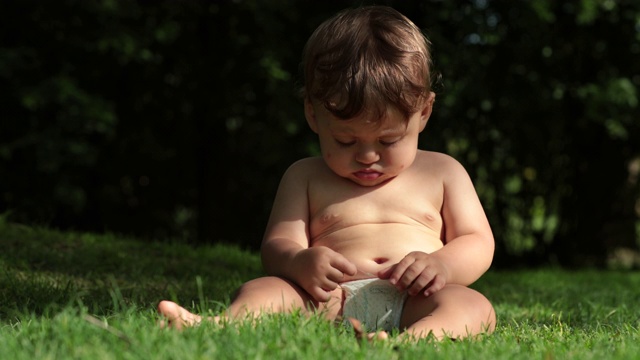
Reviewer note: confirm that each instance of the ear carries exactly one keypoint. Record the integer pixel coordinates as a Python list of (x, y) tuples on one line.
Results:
[(425, 113), (310, 115)]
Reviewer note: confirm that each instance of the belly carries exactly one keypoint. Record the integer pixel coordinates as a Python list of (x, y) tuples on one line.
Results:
[(374, 247)]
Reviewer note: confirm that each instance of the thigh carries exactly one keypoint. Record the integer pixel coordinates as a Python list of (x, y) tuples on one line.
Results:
[(275, 294)]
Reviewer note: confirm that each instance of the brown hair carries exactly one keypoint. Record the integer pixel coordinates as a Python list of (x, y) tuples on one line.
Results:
[(365, 59)]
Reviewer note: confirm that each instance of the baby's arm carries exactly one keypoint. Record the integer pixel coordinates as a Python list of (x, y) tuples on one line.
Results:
[(285, 248), (469, 244)]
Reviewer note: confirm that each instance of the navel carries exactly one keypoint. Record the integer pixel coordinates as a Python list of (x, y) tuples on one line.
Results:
[(380, 260)]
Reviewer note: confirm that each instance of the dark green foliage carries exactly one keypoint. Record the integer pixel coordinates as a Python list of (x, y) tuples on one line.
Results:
[(176, 119)]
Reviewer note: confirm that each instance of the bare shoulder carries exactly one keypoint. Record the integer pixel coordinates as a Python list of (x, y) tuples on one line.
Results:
[(310, 165), (304, 169), (439, 163)]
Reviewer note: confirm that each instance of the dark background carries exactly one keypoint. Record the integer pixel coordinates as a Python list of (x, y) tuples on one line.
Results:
[(176, 119)]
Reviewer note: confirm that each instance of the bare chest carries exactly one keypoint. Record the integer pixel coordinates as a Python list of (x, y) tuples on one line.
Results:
[(344, 205)]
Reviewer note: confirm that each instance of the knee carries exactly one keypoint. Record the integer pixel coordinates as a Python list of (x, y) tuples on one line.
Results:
[(266, 289), (480, 307), (263, 285), (251, 287), (268, 294)]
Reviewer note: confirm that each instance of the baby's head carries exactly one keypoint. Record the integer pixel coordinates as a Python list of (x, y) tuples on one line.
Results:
[(365, 60)]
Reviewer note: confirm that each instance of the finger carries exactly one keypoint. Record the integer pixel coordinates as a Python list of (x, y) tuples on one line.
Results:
[(328, 285), (320, 295), (421, 283), (342, 264), (436, 285), (335, 275), (386, 272), (410, 275), (400, 269)]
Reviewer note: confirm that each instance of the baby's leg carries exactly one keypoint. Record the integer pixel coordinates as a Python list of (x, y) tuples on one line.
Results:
[(262, 295), (454, 312), (176, 316)]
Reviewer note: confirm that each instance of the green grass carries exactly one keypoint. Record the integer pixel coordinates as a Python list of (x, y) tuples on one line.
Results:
[(66, 295)]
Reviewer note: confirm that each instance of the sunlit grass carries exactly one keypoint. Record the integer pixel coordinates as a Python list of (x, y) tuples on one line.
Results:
[(73, 295)]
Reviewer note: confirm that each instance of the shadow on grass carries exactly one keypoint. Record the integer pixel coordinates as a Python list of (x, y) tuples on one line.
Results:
[(42, 270)]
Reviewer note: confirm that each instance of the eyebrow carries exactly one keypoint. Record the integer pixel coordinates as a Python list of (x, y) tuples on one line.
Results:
[(383, 134), (341, 127)]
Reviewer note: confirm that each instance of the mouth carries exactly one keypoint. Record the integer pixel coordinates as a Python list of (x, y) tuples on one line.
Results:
[(367, 174)]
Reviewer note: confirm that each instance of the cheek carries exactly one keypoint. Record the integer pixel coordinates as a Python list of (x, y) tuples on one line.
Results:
[(327, 154), (335, 159), (403, 159)]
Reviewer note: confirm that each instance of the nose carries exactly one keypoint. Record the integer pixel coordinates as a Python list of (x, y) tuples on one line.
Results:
[(367, 154)]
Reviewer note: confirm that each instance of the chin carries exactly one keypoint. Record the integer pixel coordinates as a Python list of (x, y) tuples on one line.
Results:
[(370, 183)]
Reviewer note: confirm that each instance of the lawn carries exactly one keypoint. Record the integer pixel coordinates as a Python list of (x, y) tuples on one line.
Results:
[(66, 295)]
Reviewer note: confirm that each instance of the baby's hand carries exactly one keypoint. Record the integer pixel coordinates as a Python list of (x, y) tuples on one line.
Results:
[(319, 270), (417, 272)]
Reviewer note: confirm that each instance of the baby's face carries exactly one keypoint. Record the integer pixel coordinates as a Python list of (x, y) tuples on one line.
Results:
[(366, 151)]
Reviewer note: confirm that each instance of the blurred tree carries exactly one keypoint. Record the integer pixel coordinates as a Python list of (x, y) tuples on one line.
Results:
[(176, 119), (540, 103)]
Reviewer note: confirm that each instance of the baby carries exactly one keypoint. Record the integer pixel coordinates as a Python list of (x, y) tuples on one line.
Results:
[(374, 231)]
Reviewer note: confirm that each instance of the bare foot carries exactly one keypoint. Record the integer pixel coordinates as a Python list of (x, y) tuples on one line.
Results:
[(360, 333), (176, 316)]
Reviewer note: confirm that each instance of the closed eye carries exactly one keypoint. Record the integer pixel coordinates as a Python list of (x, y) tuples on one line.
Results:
[(345, 143), (389, 142)]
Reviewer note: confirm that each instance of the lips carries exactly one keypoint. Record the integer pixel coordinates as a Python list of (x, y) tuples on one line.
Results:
[(367, 174)]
